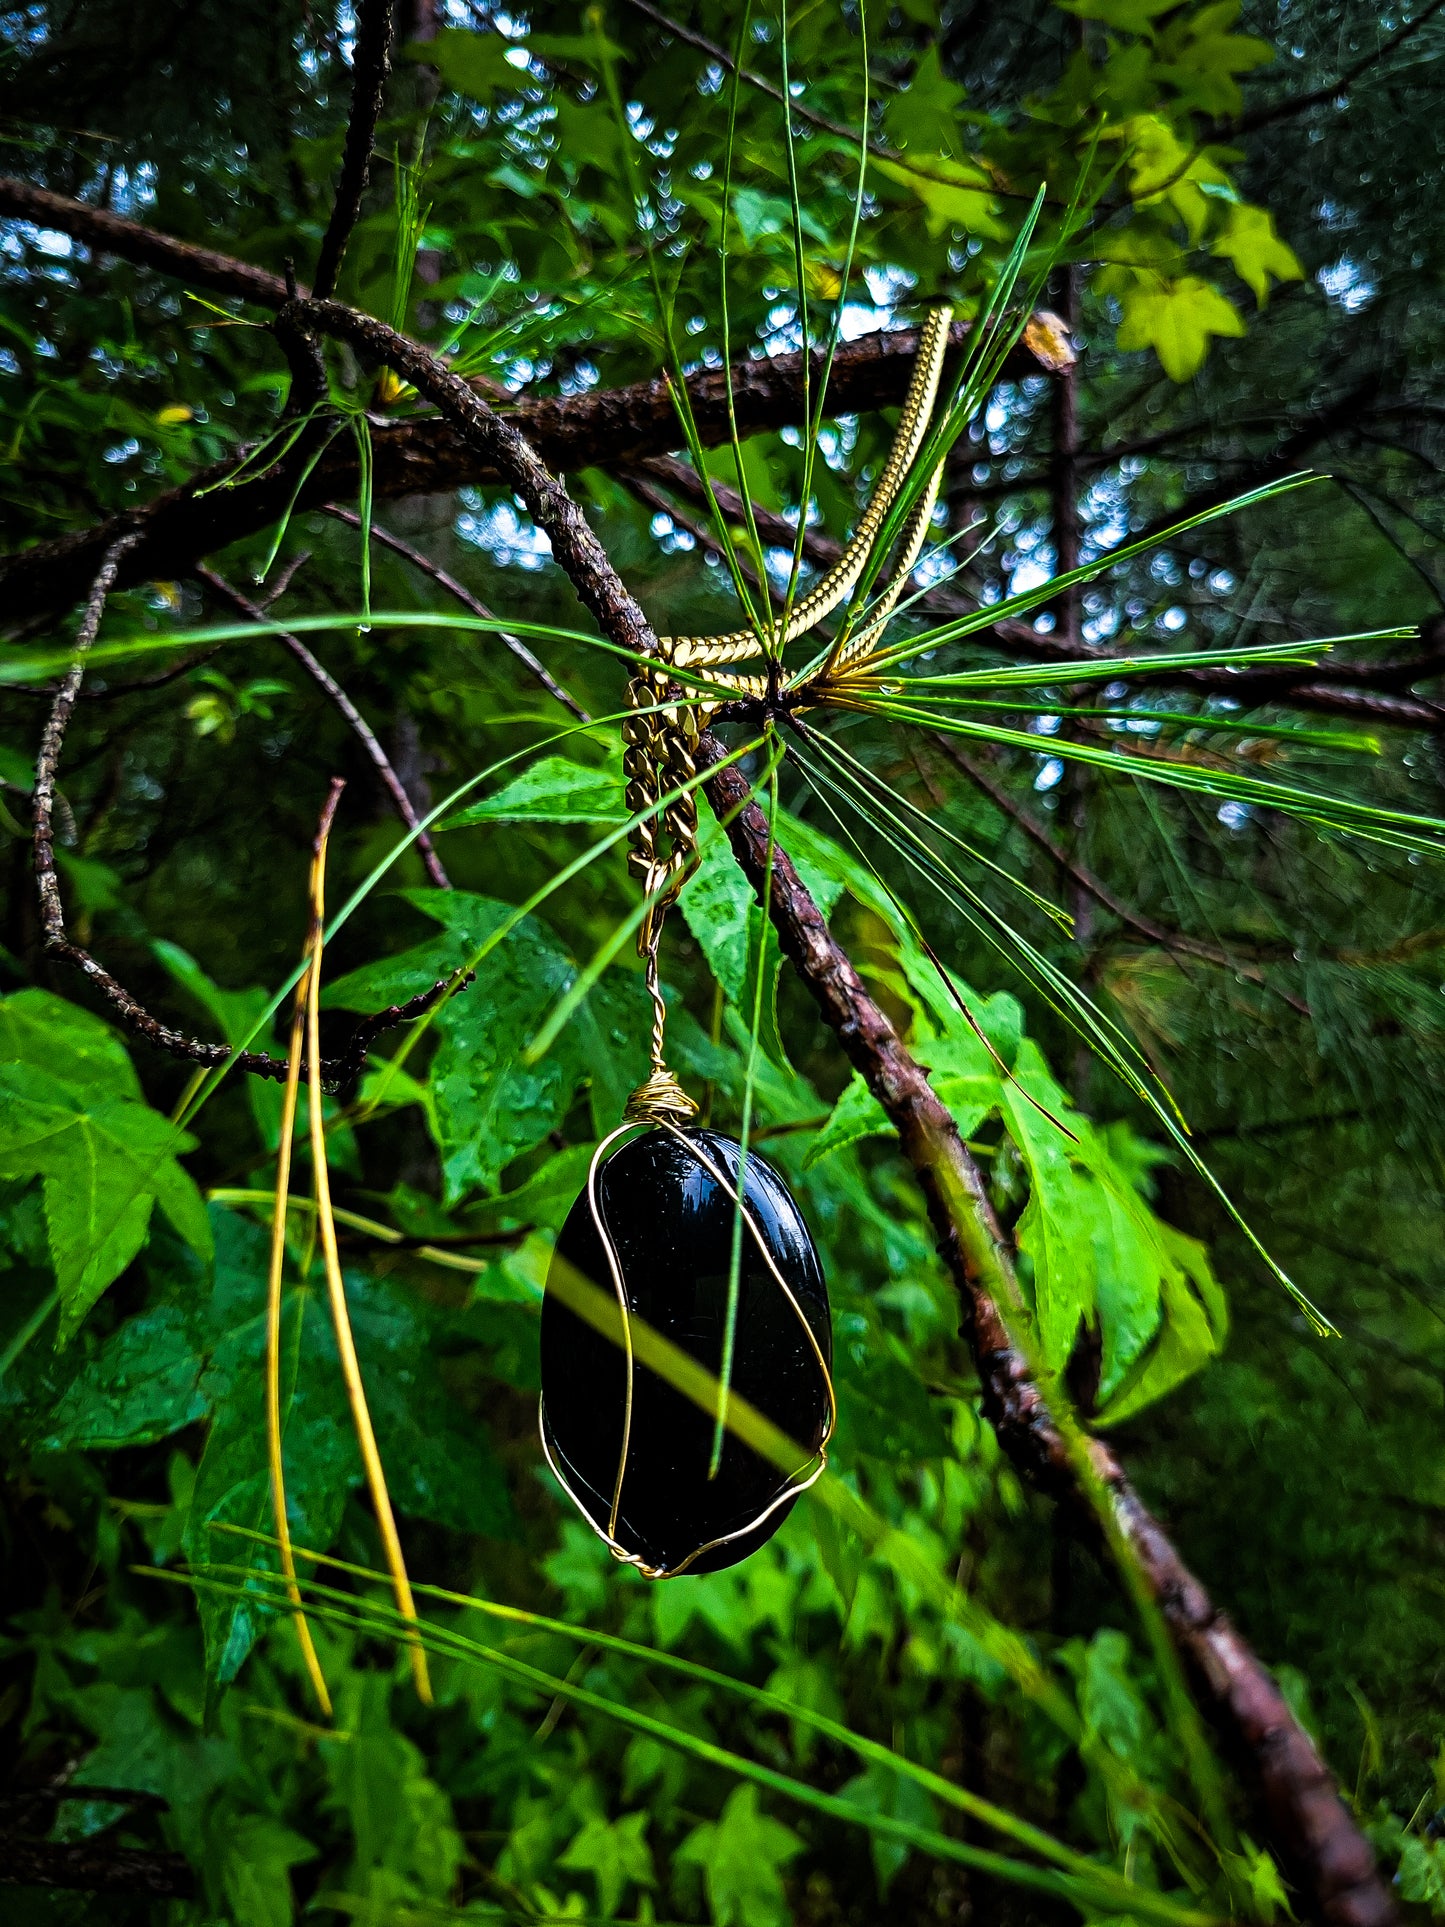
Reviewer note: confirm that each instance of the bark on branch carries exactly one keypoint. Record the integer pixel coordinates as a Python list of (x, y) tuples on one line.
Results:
[(610, 427), (1316, 1835), (87, 1866), (106, 233), (370, 64)]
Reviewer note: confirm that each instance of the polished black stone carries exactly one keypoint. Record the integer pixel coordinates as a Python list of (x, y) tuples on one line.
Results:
[(672, 1225)]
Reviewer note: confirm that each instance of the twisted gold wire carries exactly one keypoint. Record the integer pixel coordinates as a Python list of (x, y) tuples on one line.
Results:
[(660, 742), (740, 645)]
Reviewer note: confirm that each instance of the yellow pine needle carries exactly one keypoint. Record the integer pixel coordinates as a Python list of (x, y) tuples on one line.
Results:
[(273, 1347), (336, 1289)]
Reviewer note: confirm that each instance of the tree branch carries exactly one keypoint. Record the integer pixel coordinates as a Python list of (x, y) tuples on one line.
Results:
[(1317, 1836), (370, 64), (1363, 687), (610, 428), (361, 728), (106, 233), (62, 708), (692, 38), (85, 1866)]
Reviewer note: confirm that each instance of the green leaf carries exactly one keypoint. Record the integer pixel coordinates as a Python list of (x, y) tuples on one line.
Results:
[(857, 1114), (760, 214), (1129, 16), (104, 1161), (953, 193), (616, 1854), (878, 1791), (741, 1855), (1249, 242), (249, 1858), (554, 790), (571, 47), (489, 1105), (926, 113), (723, 914), (1100, 1253), (470, 63), (1199, 57), (1177, 319), (1192, 1329), (406, 1843), (143, 1384), (56, 1036)]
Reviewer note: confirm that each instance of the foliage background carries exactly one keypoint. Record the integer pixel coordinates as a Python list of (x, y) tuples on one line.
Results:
[(1271, 299)]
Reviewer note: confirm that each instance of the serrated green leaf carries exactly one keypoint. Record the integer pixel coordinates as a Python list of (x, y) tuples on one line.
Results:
[(475, 64), (741, 1855), (1248, 241), (554, 790), (856, 1115), (488, 1103), (876, 1790), (615, 1853), (143, 1384), (104, 1161), (1177, 319), (60, 1037)]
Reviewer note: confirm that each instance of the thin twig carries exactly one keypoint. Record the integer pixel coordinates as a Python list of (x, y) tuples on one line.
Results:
[(363, 731), (336, 1287), (715, 51), (335, 1072), (370, 64), (462, 594), (52, 913), (1265, 116)]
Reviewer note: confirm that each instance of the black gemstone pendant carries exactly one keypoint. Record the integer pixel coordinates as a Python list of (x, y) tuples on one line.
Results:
[(664, 1204)]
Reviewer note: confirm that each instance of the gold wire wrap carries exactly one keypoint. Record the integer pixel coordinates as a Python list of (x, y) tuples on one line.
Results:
[(741, 645), (660, 740), (797, 1483)]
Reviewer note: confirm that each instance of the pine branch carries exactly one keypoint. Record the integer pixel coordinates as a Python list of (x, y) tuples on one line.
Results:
[(1177, 941), (1314, 1830), (1363, 691)]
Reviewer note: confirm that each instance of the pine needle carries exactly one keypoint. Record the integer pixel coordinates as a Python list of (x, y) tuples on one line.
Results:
[(336, 1289), (273, 1317)]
